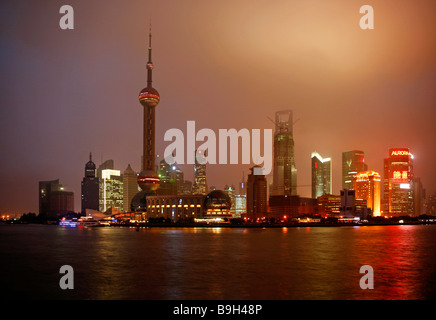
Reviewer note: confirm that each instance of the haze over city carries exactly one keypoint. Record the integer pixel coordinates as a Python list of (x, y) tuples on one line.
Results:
[(226, 64)]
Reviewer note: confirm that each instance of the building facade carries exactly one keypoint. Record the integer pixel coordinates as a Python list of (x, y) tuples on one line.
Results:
[(352, 162), (284, 169), (256, 196), (367, 185), (130, 187), (111, 190), (90, 187), (321, 175), (53, 199), (199, 186), (398, 185)]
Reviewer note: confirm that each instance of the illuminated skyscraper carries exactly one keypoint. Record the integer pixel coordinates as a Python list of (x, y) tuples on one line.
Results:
[(90, 189), (321, 175), (367, 187), (200, 183), (398, 183), (171, 179), (352, 163), (111, 190), (130, 187), (284, 171)]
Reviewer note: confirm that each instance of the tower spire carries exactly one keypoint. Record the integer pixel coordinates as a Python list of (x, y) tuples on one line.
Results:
[(149, 63)]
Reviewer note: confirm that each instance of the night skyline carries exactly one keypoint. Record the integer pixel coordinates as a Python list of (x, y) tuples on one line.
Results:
[(69, 93)]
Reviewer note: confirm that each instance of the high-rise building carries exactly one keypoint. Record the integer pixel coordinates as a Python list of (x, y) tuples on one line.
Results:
[(108, 164), (352, 163), (321, 175), (111, 190), (367, 187), (256, 195), (240, 205), (284, 170), (418, 197), (200, 183), (90, 187), (53, 199), (398, 183), (230, 190), (171, 179), (130, 187)]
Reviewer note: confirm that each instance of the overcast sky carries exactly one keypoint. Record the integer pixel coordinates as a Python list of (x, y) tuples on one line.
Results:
[(224, 64)]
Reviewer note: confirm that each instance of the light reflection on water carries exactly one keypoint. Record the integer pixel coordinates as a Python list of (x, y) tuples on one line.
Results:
[(219, 263)]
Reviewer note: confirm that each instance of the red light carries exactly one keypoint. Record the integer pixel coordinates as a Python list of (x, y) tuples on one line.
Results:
[(316, 165)]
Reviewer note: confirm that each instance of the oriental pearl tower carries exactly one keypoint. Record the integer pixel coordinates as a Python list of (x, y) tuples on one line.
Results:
[(148, 180)]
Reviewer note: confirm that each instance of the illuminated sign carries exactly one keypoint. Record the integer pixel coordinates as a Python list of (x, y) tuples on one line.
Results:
[(400, 175), (399, 153)]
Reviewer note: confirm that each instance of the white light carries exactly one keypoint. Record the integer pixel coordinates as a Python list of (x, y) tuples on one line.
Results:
[(404, 185)]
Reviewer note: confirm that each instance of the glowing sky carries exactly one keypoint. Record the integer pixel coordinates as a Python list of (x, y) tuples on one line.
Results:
[(225, 64)]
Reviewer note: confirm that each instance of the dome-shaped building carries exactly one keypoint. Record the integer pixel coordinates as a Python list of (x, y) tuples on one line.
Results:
[(217, 206)]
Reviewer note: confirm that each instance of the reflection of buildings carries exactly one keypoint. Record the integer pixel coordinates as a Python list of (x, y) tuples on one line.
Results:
[(398, 182), (256, 195), (200, 183), (284, 170), (130, 187), (321, 175), (367, 187), (90, 189), (352, 163), (53, 199), (111, 190)]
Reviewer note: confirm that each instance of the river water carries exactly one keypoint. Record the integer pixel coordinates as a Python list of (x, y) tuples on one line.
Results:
[(218, 263)]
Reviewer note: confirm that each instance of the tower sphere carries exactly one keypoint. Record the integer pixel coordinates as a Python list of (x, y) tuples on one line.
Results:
[(149, 97), (148, 181)]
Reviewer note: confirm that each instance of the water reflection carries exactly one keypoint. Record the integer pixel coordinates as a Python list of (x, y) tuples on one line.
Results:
[(221, 263)]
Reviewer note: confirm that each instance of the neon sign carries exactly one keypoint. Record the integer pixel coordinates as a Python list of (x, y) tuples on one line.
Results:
[(400, 175), (399, 153)]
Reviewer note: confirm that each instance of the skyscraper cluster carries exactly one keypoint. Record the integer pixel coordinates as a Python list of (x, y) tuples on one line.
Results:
[(161, 190)]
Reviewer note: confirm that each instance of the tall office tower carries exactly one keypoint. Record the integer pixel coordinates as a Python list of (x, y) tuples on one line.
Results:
[(231, 193), (90, 187), (418, 197), (352, 163), (398, 183), (367, 187), (200, 183), (256, 195), (111, 190), (53, 199), (171, 179), (430, 205), (284, 171), (243, 186), (240, 205), (130, 187), (108, 164), (321, 175)]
